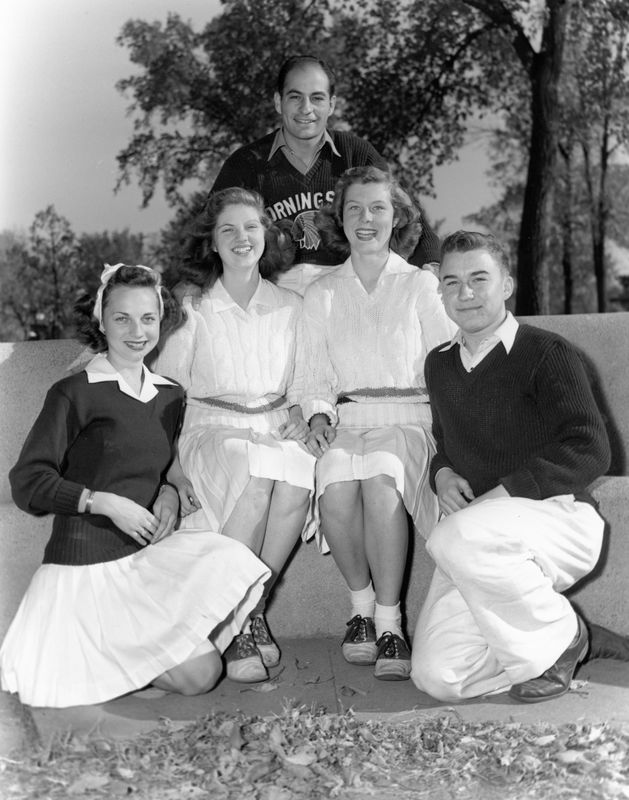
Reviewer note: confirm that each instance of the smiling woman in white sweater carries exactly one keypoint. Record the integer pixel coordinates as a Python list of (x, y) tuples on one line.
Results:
[(242, 442), (368, 328)]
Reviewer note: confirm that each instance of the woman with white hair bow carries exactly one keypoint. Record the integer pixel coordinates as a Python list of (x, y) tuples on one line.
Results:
[(118, 602)]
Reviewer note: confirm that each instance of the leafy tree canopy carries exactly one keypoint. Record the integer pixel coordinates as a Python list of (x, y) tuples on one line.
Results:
[(410, 75), (201, 94), (42, 273)]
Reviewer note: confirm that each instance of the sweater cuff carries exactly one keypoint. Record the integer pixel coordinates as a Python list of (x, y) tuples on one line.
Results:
[(312, 407), (67, 498)]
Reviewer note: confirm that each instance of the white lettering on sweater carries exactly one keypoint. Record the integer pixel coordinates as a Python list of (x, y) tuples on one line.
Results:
[(304, 201)]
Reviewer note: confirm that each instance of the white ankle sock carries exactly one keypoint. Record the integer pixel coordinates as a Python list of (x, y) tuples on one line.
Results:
[(363, 601), (388, 618)]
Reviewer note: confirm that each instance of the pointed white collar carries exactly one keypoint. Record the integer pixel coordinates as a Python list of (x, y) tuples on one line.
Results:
[(505, 333), (99, 370), (222, 300)]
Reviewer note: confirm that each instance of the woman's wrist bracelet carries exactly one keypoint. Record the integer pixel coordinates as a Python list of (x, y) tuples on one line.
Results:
[(88, 502)]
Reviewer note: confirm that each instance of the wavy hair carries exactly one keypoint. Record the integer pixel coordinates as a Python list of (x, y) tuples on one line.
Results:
[(329, 218), (202, 266), (464, 241), (303, 60), (88, 327)]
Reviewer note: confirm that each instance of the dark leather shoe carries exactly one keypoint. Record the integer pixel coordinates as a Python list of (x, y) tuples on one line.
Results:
[(556, 680), (394, 658), (359, 644)]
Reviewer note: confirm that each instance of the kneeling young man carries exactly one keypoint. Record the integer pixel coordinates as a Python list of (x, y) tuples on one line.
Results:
[(519, 439)]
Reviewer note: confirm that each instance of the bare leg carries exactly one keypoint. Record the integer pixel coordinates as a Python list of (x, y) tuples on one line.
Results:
[(197, 675), (285, 522), (341, 508), (248, 521), (386, 537)]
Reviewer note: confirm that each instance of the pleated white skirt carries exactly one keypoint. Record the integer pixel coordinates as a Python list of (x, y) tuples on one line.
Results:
[(86, 634), (220, 452), (373, 439)]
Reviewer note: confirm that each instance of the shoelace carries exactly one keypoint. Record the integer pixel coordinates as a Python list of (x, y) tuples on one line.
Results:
[(390, 645), (245, 646), (358, 627), (260, 631)]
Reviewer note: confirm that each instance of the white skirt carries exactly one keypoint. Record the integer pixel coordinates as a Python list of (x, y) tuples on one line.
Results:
[(401, 446), (86, 634), (220, 452)]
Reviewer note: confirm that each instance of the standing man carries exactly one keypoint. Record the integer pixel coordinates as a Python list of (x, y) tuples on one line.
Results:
[(519, 439), (295, 168)]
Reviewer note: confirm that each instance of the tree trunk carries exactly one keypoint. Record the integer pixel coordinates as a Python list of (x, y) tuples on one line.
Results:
[(597, 199), (600, 228), (567, 240), (544, 72)]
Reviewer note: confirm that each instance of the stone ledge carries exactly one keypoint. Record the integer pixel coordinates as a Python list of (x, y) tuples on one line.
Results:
[(311, 599)]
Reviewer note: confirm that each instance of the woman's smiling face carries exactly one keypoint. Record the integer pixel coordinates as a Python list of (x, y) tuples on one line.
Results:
[(239, 237), (368, 217), (131, 324)]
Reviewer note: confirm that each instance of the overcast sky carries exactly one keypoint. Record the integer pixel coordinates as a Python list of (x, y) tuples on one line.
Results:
[(63, 121)]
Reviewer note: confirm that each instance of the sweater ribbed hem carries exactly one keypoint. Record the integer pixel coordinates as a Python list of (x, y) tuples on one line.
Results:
[(87, 539)]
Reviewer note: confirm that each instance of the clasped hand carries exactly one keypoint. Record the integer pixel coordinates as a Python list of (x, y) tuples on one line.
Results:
[(138, 522), (296, 429), (453, 491), (321, 435)]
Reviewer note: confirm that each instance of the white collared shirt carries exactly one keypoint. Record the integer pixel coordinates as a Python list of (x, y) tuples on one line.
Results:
[(280, 143), (100, 370), (504, 333)]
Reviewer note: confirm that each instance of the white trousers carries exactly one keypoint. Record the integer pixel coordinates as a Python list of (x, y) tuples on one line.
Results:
[(494, 614)]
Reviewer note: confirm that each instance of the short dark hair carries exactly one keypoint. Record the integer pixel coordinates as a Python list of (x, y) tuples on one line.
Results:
[(464, 241), (299, 60), (329, 218), (88, 327), (202, 266)]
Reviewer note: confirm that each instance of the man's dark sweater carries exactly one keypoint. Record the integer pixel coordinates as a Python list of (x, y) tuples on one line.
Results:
[(293, 197), (526, 420)]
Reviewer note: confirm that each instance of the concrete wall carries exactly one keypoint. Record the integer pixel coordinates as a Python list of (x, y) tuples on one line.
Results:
[(311, 598)]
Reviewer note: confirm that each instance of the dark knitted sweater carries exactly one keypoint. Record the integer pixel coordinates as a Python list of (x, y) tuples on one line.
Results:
[(526, 420), (94, 436), (293, 198)]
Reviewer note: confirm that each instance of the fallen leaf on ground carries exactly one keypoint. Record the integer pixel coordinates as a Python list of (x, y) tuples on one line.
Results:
[(263, 687), (88, 782), (350, 691)]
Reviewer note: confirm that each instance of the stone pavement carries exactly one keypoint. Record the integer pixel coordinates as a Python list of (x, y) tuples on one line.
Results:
[(313, 673)]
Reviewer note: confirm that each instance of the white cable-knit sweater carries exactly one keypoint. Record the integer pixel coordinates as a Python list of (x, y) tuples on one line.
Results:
[(233, 355), (370, 346)]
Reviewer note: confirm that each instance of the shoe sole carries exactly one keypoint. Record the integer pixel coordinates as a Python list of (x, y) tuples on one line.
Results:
[(247, 670), (392, 670), (270, 654), (362, 654)]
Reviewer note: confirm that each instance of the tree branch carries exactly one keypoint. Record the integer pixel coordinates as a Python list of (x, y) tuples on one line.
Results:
[(503, 18)]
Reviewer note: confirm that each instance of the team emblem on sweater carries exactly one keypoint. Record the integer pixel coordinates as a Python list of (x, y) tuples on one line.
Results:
[(304, 232), (301, 207)]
